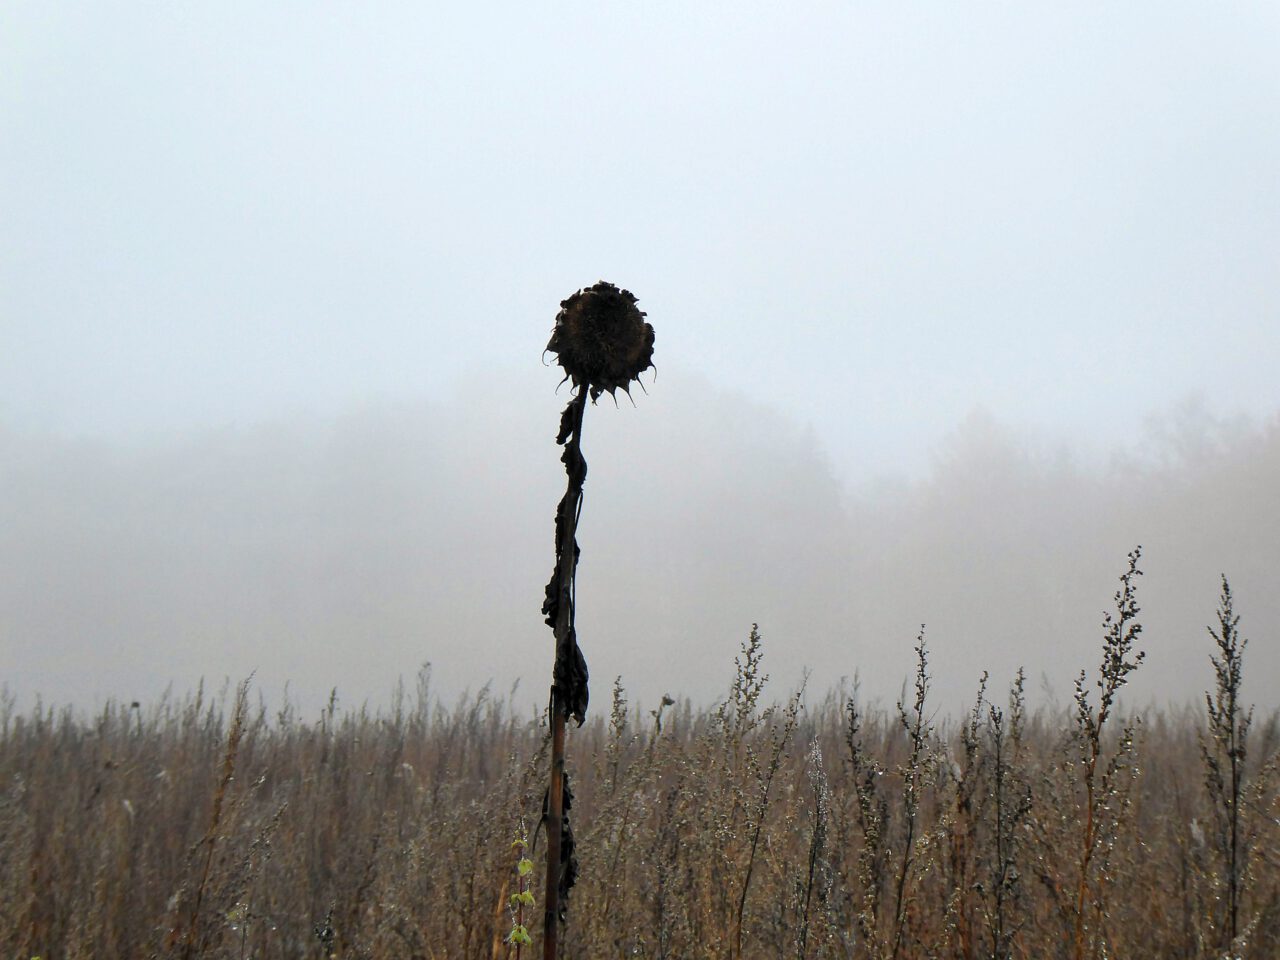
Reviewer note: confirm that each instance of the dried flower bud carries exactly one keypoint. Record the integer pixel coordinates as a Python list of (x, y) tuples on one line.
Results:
[(601, 339)]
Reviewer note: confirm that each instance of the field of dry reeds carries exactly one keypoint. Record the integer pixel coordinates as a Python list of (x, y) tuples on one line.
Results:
[(769, 825)]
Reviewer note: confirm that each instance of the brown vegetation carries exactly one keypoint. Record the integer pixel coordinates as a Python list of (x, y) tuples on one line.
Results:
[(827, 828)]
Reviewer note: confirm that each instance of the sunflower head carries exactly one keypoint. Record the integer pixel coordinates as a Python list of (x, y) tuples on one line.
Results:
[(601, 339)]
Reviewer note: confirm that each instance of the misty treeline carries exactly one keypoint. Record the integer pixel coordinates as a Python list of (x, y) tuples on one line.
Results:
[(776, 823), (312, 550)]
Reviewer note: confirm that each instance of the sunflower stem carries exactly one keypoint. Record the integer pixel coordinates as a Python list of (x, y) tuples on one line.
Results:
[(563, 581)]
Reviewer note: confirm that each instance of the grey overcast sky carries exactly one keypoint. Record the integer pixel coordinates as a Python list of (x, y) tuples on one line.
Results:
[(875, 240)]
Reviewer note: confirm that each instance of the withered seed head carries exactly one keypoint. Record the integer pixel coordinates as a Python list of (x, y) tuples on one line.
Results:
[(601, 339)]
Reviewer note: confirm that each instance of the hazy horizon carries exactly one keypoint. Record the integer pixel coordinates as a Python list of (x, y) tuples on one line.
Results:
[(346, 552)]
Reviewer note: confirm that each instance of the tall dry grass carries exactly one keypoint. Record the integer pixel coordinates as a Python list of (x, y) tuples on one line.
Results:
[(765, 826)]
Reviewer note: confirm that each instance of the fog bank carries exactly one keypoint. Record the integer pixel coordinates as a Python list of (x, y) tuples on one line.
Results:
[(345, 552)]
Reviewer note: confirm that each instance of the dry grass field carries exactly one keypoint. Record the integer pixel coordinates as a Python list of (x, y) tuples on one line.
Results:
[(771, 825)]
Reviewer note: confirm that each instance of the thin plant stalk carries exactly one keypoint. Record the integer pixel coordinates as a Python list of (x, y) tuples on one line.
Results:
[(1119, 660), (215, 818), (566, 567), (918, 731), (1226, 746)]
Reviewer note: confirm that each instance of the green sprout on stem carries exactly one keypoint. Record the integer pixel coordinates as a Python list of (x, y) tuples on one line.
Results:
[(519, 935)]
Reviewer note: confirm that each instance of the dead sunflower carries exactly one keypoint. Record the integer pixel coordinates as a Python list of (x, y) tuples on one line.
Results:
[(601, 339)]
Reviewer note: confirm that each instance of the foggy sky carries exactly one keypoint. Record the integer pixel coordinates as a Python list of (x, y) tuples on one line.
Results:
[(213, 215), (955, 304)]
